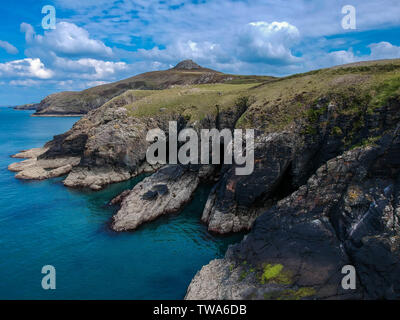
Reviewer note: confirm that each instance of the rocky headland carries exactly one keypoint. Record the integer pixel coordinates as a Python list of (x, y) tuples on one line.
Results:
[(325, 191), (71, 103), (30, 106)]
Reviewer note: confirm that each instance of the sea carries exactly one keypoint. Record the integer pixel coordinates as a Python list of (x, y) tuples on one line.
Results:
[(44, 223)]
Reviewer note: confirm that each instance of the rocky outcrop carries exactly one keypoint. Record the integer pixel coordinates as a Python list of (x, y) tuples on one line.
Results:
[(30, 106), (40, 169), (166, 191), (285, 160), (112, 147), (236, 201), (112, 144), (187, 65), (30, 154), (346, 214), (95, 178)]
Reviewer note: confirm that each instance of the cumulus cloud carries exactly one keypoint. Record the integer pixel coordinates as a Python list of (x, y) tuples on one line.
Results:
[(384, 50), (340, 57), (67, 40), (321, 59), (67, 55), (203, 52), (25, 68), (257, 42), (88, 68), (8, 47), (164, 20), (268, 42)]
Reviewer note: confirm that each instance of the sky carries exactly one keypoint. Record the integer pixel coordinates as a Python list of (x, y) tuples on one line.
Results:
[(101, 41)]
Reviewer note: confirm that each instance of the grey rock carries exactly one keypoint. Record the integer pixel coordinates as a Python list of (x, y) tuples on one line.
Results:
[(311, 234), (165, 192)]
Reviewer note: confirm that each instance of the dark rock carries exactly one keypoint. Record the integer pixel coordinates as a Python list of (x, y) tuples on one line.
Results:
[(161, 189), (342, 216), (187, 65), (150, 195)]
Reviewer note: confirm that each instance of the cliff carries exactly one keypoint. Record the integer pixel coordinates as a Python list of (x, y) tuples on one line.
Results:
[(30, 106)]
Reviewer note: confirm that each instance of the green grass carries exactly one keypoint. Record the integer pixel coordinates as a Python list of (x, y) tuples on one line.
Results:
[(370, 141), (352, 89), (337, 131), (374, 68), (387, 90), (274, 105), (193, 102), (249, 79)]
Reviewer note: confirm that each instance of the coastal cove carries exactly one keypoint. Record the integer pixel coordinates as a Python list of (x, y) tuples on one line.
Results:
[(46, 223)]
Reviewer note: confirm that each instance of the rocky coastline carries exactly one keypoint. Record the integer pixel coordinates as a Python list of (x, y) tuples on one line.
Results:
[(325, 191)]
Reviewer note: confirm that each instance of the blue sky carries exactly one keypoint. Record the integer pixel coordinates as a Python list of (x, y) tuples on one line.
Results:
[(100, 41)]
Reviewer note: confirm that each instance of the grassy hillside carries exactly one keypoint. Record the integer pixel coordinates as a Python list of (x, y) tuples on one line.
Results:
[(194, 102), (86, 100), (356, 87), (275, 104)]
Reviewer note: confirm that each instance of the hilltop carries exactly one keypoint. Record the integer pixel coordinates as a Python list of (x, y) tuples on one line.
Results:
[(184, 73)]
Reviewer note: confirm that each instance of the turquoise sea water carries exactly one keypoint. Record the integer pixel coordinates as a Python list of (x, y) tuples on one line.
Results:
[(45, 223)]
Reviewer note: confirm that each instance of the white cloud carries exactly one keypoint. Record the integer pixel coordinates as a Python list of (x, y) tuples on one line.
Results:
[(257, 42), (321, 59), (340, 57), (384, 50), (268, 42), (201, 52), (209, 20), (217, 34), (66, 40), (67, 56), (8, 47), (28, 30), (26, 68), (88, 68)]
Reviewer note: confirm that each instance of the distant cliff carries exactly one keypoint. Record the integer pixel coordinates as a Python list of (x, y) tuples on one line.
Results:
[(185, 73), (31, 106)]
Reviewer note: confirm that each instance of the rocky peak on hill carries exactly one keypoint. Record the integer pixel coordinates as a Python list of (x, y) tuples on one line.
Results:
[(187, 65)]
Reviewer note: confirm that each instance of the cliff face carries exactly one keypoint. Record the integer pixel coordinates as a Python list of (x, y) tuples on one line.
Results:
[(327, 184), (30, 106), (324, 192), (346, 214)]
